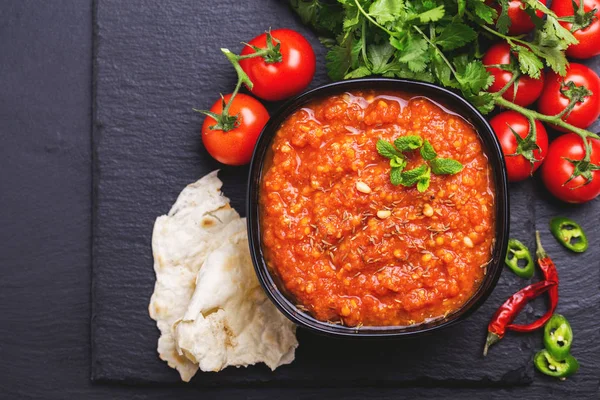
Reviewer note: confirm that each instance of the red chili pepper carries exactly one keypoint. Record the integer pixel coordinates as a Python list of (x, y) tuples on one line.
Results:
[(511, 308), (550, 274)]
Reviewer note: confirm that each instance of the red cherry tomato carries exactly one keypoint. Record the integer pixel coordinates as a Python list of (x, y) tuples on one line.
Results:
[(528, 89), (520, 22), (557, 169), (552, 101), (290, 76), (588, 37), (517, 166), (235, 147)]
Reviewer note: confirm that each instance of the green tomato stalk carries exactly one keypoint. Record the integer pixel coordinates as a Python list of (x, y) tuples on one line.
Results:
[(271, 54)]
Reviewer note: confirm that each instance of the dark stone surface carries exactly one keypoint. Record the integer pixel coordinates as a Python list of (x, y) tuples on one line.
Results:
[(45, 241), (154, 62)]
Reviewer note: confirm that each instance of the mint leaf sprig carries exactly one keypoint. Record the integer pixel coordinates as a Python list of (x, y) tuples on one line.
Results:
[(421, 175)]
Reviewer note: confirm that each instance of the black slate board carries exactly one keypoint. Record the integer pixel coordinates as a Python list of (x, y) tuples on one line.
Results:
[(156, 60)]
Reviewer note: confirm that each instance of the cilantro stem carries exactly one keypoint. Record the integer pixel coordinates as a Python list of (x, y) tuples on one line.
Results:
[(363, 46), (437, 49), (509, 39), (371, 20)]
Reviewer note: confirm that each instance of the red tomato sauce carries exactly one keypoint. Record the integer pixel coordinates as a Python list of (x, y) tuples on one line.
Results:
[(389, 255)]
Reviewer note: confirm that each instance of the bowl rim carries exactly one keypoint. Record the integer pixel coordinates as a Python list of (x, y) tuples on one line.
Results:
[(492, 150)]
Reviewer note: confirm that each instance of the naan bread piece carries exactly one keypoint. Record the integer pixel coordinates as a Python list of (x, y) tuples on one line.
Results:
[(229, 320), (198, 223)]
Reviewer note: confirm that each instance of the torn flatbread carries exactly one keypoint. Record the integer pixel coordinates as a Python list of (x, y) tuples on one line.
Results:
[(197, 224), (207, 302), (230, 320)]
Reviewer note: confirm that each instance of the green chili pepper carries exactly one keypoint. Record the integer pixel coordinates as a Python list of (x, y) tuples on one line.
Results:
[(546, 364), (558, 337), (564, 230), (518, 251)]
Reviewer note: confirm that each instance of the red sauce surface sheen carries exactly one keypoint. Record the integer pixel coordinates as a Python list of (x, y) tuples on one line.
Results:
[(323, 237)]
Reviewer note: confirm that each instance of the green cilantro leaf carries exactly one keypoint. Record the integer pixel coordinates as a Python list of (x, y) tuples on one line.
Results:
[(408, 143), (475, 77), (386, 149), (341, 58), (482, 11), (504, 21), (412, 176), (416, 55), (324, 17), (445, 166), (455, 35), (435, 14), (529, 63), (484, 101), (384, 11), (427, 151), (359, 72), (380, 55)]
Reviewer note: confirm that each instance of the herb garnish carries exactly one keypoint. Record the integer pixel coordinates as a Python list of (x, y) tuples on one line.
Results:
[(421, 175)]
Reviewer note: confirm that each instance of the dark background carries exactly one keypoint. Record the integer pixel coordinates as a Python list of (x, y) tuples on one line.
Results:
[(45, 233)]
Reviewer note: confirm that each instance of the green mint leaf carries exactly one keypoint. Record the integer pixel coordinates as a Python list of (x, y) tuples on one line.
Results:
[(475, 77), (445, 166), (455, 35), (504, 21), (396, 176), (398, 162), (412, 176), (384, 11), (386, 149), (427, 151), (408, 143), (529, 63), (435, 14), (423, 183)]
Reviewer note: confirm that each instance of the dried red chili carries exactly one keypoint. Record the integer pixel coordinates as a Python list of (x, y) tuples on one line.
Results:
[(550, 274), (511, 308)]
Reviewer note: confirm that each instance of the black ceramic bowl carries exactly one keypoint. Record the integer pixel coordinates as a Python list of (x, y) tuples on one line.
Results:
[(452, 101)]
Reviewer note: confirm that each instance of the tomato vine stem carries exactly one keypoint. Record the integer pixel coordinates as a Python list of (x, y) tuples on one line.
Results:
[(271, 54)]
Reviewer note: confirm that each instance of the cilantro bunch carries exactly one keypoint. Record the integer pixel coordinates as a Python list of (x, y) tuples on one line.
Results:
[(441, 41), (431, 40), (421, 175)]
